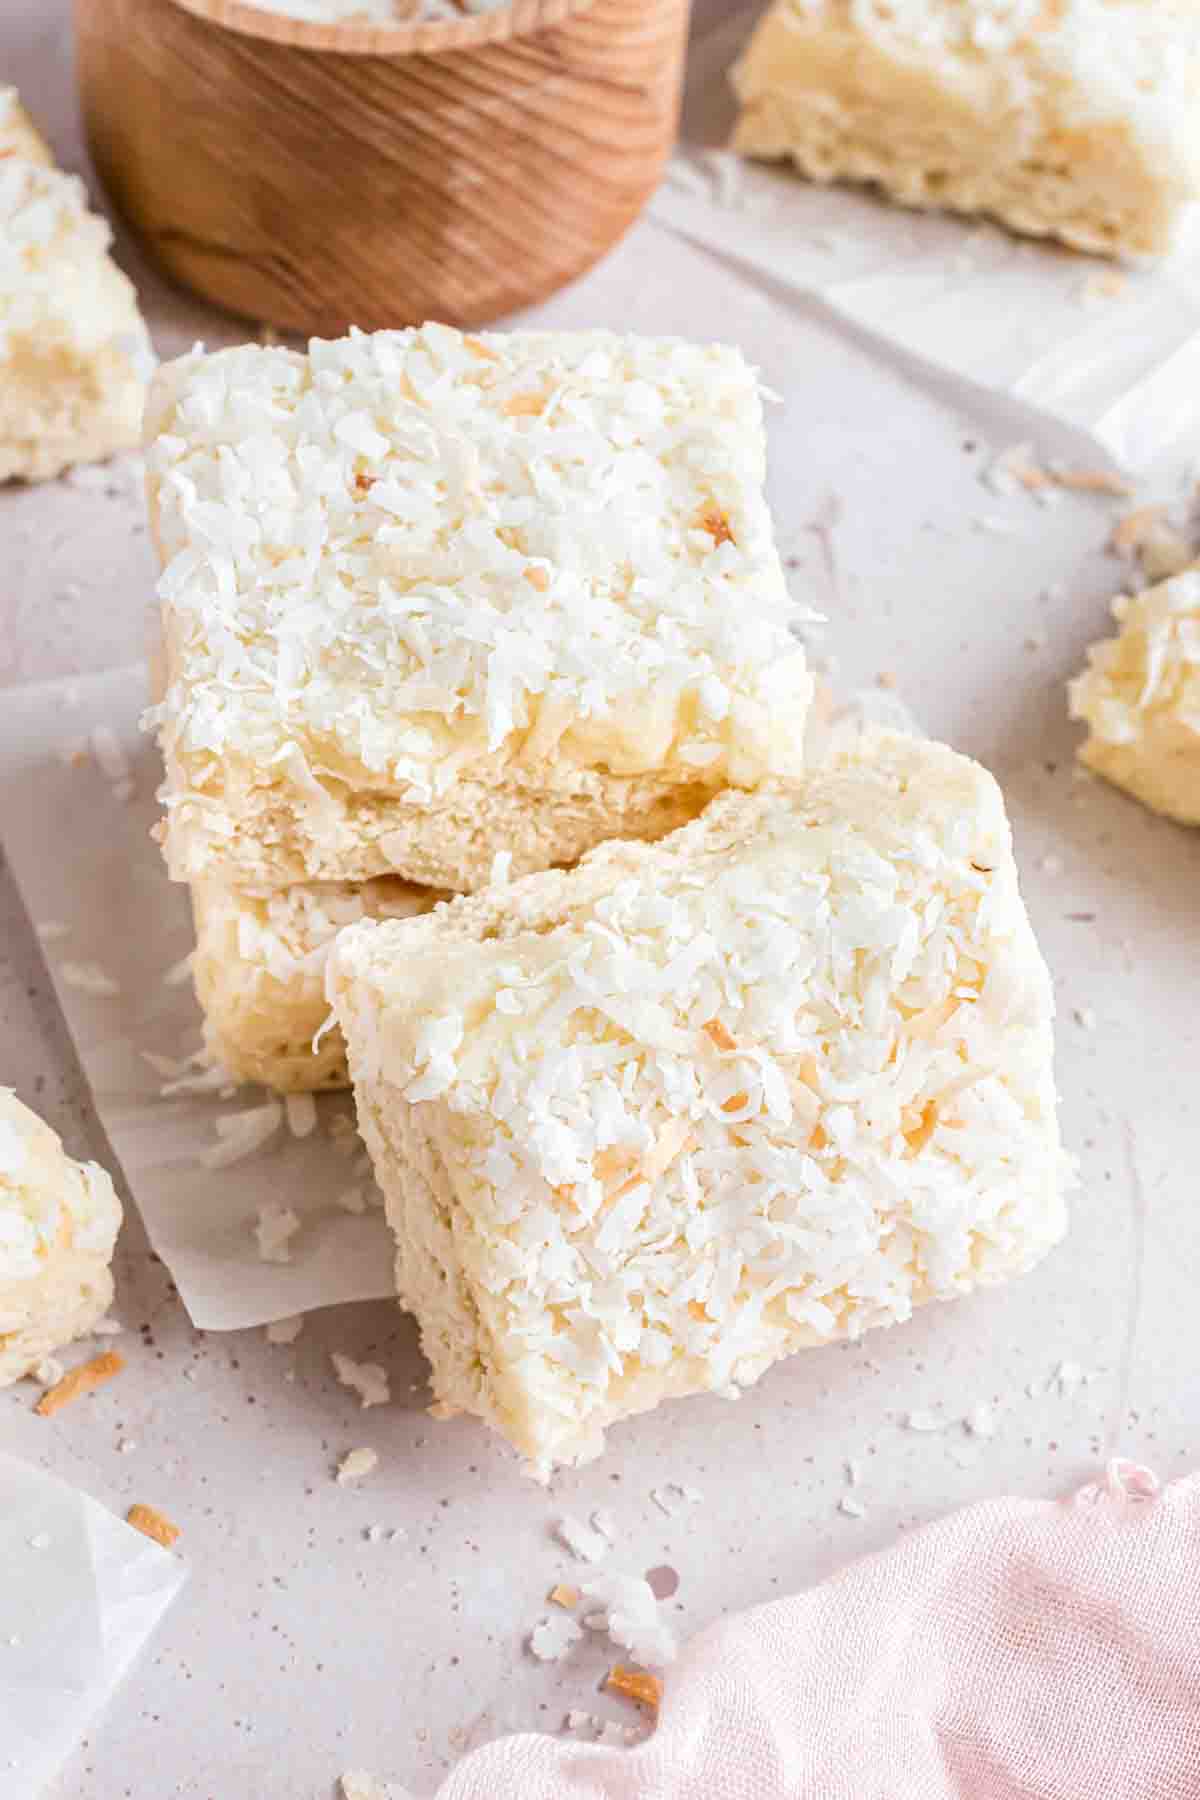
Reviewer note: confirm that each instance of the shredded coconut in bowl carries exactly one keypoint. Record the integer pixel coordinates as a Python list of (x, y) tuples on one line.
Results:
[(377, 12)]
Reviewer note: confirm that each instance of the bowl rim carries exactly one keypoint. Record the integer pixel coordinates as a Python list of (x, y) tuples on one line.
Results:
[(519, 19)]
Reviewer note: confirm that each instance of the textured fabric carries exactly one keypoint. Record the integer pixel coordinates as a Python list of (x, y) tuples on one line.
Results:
[(1020, 1650)]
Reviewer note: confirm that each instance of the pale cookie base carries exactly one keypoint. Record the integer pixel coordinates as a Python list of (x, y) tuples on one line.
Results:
[(259, 971), (59, 408), (993, 134), (465, 1163), (1140, 697), (272, 837), (55, 1284)]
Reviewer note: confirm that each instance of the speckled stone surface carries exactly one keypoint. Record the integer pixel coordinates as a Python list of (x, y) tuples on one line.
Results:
[(301, 1647)]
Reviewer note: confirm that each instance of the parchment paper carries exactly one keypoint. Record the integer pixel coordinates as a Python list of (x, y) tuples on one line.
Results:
[(80, 1595), (84, 861)]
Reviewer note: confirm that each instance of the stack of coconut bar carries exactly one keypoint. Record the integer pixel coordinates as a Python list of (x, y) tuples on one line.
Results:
[(713, 1056)]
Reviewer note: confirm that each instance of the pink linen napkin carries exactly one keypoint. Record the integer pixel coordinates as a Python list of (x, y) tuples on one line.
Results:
[(1019, 1650)]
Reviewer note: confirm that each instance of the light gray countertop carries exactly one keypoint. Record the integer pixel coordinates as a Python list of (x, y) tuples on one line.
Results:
[(301, 1648)]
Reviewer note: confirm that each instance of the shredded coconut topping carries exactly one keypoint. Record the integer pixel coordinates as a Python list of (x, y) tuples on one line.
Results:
[(408, 553), (771, 1082)]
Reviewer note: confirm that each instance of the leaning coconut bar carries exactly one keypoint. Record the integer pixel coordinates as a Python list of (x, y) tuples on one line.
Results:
[(1140, 699), (74, 353), (648, 1126), (1073, 119), (58, 1224), (259, 973), (429, 598)]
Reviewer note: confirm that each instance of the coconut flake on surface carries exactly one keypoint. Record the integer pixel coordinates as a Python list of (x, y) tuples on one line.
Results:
[(674, 1496), (627, 1610), (981, 1421), (923, 1420), (89, 978), (241, 1135), (285, 1331), (301, 1112), (553, 1636), (356, 1784), (368, 1380), (274, 1230), (584, 1542), (179, 973), (356, 1465), (853, 1509)]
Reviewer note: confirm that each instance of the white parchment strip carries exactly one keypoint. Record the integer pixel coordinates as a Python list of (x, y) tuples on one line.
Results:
[(80, 1594), (83, 858)]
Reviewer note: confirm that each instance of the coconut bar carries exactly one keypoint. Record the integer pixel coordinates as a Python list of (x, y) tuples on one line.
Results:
[(1140, 698), (1074, 119), (259, 972), (428, 598), (645, 1127), (74, 353), (58, 1224)]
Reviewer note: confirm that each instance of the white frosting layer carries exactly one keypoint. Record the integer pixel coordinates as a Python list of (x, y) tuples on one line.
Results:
[(409, 554)]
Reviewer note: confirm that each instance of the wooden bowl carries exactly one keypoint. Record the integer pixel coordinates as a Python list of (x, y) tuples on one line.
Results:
[(322, 176)]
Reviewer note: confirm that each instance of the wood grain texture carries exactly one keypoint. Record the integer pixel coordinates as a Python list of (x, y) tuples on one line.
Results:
[(316, 188)]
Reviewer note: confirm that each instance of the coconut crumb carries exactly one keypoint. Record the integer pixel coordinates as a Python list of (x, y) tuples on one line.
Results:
[(107, 1328), (981, 1421), (1068, 1375), (368, 1380), (356, 1465), (275, 1228), (923, 1420), (674, 1496), (853, 1471), (635, 1684), (356, 1784), (285, 1331), (589, 1544), (179, 973), (240, 1135), (49, 1372), (1090, 481), (853, 1509), (89, 978), (553, 1637), (628, 1612), (602, 1731), (301, 1110), (84, 1379), (153, 1524)]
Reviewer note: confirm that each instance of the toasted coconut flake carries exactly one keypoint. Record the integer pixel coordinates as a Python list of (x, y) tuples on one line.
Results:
[(563, 1594), (720, 1035), (635, 1684), (84, 1379), (153, 1524)]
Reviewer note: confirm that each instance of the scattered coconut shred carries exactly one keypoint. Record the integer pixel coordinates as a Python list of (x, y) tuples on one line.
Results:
[(356, 1465), (627, 1610), (368, 1380), (275, 1228), (356, 1785)]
